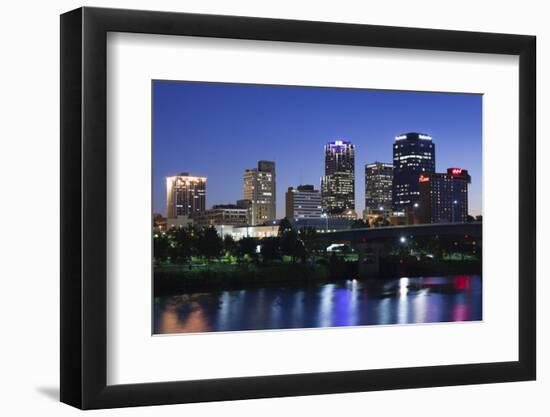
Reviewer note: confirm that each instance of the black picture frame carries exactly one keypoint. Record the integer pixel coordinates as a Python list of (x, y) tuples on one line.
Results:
[(84, 207)]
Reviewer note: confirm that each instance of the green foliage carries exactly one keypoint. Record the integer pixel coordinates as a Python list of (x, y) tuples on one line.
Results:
[(270, 248), (181, 244), (209, 243), (206, 249), (247, 247), (292, 246), (346, 249), (311, 240), (285, 226), (229, 246), (161, 245)]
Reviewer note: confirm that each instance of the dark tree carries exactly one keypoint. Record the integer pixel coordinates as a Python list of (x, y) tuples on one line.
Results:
[(247, 246), (209, 243), (230, 246), (346, 250), (161, 246), (285, 226), (292, 246), (181, 245), (270, 248), (310, 239)]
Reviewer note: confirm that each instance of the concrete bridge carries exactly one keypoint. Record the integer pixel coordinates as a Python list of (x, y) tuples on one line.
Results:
[(371, 240)]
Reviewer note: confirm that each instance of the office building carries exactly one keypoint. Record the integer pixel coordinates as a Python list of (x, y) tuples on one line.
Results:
[(413, 155), (259, 189), (222, 214), (185, 195), (183, 221), (256, 232), (303, 202), (338, 183), (247, 205), (444, 197), (324, 224), (378, 188)]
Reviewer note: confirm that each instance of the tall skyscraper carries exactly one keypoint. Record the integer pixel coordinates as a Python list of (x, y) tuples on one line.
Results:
[(259, 188), (378, 187), (185, 195), (444, 197), (338, 183), (413, 155), (303, 202)]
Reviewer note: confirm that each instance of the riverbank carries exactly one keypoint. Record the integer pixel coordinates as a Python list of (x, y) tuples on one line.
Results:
[(172, 280), (181, 280)]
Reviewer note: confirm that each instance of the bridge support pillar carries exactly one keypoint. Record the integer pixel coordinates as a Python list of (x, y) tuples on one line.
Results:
[(369, 258)]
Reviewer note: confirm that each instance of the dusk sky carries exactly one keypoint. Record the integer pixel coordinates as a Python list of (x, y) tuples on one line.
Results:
[(219, 130)]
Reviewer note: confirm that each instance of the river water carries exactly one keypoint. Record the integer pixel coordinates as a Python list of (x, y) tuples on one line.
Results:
[(346, 303)]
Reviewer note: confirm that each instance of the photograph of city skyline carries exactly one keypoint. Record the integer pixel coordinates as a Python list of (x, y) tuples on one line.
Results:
[(288, 207)]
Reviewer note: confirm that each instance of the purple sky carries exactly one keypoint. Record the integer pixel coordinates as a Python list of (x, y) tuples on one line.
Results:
[(218, 130)]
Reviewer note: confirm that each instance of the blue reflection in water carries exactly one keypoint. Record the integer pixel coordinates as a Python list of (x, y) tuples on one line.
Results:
[(325, 305), (347, 303)]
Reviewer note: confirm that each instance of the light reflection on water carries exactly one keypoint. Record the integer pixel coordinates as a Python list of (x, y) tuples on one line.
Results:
[(347, 303)]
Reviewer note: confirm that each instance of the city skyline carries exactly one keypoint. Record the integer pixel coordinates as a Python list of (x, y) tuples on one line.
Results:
[(218, 130)]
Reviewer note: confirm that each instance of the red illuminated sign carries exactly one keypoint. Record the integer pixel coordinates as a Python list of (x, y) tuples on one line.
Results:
[(423, 179), (456, 171)]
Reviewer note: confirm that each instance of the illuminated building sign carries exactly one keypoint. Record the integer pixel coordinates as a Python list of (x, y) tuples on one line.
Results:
[(423, 179), (456, 171), (420, 136)]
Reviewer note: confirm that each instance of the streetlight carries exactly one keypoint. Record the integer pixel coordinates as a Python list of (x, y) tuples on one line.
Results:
[(415, 219), (453, 211), (402, 239), (325, 215)]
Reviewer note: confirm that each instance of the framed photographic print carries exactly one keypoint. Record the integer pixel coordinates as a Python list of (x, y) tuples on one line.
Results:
[(257, 208)]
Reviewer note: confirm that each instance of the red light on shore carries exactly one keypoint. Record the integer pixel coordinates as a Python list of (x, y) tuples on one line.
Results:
[(423, 179), (456, 171)]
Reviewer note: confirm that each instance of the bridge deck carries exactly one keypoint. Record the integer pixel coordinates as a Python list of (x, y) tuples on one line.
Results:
[(473, 229)]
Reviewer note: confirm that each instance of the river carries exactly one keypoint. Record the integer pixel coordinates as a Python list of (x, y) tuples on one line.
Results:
[(345, 303)]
